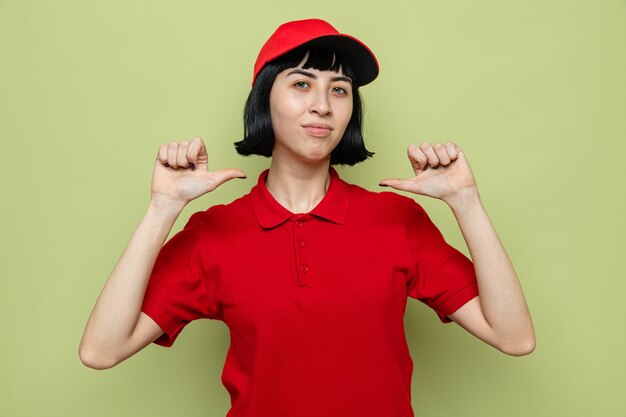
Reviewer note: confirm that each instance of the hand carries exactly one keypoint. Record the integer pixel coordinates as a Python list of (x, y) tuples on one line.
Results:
[(441, 171), (181, 173)]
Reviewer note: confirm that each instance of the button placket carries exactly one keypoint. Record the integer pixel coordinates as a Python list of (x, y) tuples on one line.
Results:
[(302, 266)]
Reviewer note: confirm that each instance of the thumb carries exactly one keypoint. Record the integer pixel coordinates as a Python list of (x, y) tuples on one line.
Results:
[(224, 175), (396, 183)]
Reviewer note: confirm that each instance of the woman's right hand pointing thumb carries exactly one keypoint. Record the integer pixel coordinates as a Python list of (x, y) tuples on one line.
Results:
[(181, 172)]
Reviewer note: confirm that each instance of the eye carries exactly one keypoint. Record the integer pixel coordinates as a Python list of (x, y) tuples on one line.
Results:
[(301, 84), (340, 90)]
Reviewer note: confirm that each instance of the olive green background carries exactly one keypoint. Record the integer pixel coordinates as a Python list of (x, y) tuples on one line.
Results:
[(533, 91)]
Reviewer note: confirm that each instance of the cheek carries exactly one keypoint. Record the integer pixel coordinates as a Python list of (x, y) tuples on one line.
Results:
[(346, 113), (276, 116), (274, 111), (280, 122), (283, 114)]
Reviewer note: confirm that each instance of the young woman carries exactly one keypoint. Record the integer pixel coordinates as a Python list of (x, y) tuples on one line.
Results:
[(311, 274)]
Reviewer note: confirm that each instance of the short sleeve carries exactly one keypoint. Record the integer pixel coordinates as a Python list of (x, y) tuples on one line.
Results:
[(442, 277), (180, 288)]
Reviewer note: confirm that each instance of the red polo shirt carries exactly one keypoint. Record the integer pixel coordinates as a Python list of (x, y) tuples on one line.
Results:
[(314, 302)]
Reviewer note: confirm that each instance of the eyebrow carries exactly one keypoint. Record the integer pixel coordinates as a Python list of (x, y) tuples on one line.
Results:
[(310, 74)]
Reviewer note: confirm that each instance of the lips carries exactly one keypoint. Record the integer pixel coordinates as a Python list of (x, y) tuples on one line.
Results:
[(318, 129)]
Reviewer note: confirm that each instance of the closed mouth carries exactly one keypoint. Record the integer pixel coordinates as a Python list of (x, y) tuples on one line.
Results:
[(318, 126)]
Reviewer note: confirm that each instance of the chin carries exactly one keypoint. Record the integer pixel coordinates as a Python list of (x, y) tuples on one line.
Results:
[(315, 158), (309, 155)]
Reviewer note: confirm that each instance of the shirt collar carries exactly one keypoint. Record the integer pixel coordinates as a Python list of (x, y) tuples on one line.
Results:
[(270, 213)]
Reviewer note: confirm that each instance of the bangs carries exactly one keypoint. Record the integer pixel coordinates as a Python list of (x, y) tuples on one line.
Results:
[(323, 60), (319, 59)]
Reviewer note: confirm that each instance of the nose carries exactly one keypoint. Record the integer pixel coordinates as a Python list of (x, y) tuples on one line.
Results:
[(320, 104)]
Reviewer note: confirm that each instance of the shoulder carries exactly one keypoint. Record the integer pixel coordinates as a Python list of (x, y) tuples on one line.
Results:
[(360, 195), (386, 203), (224, 215)]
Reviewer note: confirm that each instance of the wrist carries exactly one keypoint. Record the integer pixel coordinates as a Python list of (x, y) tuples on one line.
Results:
[(165, 206), (463, 200)]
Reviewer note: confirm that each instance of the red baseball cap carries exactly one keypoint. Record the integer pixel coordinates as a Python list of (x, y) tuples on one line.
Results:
[(318, 33)]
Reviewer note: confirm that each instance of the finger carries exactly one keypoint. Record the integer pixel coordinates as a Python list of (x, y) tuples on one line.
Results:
[(224, 175), (433, 161), (197, 154), (417, 158), (451, 148), (172, 155), (442, 154), (181, 158), (162, 154)]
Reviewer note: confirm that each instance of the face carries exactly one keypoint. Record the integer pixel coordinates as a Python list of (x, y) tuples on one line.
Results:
[(310, 111)]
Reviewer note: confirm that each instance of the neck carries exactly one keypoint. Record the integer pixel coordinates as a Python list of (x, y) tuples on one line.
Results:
[(298, 188)]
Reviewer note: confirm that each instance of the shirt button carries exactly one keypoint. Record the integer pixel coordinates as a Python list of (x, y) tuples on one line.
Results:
[(299, 223), (301, 243), (304, 269)]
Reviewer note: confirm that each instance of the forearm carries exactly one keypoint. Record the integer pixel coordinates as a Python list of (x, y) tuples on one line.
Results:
[(117, 309), (501, 297)]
